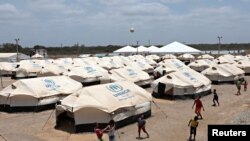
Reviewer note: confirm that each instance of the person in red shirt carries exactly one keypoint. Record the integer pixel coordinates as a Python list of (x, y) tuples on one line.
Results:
[(198, 105), (98, 132)]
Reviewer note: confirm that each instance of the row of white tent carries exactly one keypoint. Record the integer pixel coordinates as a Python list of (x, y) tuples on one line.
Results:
[(174, 47), (111, 69), (120, 101), (12, 57)]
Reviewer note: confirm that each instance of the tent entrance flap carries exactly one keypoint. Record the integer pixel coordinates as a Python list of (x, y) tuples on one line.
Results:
[(161, 89)]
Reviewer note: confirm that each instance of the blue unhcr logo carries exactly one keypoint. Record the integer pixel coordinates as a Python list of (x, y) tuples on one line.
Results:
[(90, 70), (131, 73), (142, 65), (114, 87), (50, 84)]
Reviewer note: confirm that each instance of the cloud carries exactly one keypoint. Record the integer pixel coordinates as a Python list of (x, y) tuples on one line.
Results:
[(118, 2), (173, 1), (56, 8), (145, 9), (10, 13)]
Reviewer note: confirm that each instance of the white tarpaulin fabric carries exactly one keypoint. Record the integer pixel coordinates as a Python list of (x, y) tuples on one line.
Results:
[(7, 67), (89, 73), (142, 49), (30, 92), (37, 56), (244, 65), (177, 47), (184, 81), (131, 74), (200, 65), (126, 49), (89, 106), (223, 72), (205, 56), (153, 48)]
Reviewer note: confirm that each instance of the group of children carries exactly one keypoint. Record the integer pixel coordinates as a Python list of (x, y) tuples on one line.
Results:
[(193, 123), (110, 128), (238, 85)]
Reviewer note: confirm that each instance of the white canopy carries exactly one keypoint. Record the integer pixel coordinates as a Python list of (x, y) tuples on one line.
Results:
[(126, 49), (177, 47), (153, 48), (142, 49)]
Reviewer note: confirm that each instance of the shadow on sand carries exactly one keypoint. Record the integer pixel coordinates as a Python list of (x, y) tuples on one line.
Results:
[(141, 138)]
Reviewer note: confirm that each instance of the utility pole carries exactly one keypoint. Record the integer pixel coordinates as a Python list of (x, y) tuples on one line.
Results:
[(148, 42), (137, 43), (219, 37), (17, 58)]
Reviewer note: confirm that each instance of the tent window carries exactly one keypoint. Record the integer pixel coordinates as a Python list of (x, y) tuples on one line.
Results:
[(169, 77)]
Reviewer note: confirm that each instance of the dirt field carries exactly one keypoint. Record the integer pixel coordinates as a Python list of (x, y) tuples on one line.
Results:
[(174, 127)]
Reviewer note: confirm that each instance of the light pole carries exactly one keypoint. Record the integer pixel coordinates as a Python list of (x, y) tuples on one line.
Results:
[(219, 37), (137, 43), (17, 39)]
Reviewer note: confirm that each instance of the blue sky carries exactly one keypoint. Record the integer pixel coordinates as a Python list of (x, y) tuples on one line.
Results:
[(104, 22)]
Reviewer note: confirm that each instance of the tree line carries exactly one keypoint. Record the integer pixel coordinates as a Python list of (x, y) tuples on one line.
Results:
[(81, 49)]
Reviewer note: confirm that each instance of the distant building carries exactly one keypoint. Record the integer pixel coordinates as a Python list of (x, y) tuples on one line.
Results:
[(42, 51)]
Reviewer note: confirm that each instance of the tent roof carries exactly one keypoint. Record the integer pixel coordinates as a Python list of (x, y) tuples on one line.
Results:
[(37, 56), (42, 87), (5, 55), (109, 97), (153, 48), (142, 49), (125, 49), (177, 47)]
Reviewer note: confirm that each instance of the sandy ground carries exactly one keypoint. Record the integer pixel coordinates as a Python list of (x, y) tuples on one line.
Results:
[(173, 127)]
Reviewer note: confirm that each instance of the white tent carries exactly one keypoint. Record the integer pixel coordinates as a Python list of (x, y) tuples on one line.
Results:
[(168, 56), (142, 65), (177, 47), (182, 82), (126, 49), (244, 65), (131, 74), (37, 56), (37, 92), (200, 65), (120, 101), (154, 57), (142, 49), (152, 48), (11, 57), (205, 56), (27, 68), (109, 63), (186, 56), (7, 67), (223, 73), (51, 69), (162, 70), (89, 75)]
